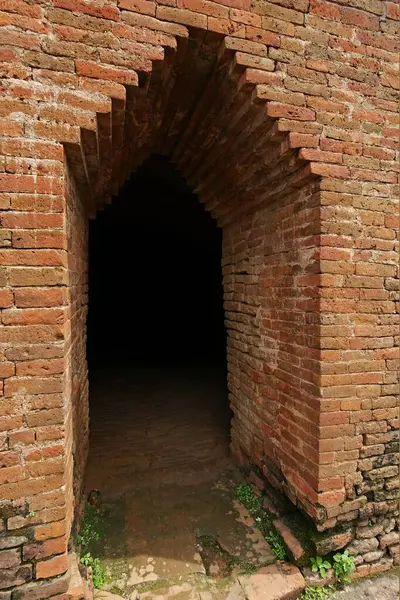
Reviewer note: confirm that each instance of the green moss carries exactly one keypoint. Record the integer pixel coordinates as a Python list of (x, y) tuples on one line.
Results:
[(263, 519), (248, 569), (317, 593), (304, 531), (153, 586), (93, 530)]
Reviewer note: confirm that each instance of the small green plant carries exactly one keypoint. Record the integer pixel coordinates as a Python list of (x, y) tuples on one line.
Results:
[(277, 546), (317, 593), (92, 532), (99, 576), (248, 498), (320, 565), (254, 505), (343, 566), (92, 527)]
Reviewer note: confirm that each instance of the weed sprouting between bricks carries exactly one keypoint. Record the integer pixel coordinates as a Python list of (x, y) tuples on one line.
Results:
[(341, 562), (318, 593), (92, 531), (254, 505)]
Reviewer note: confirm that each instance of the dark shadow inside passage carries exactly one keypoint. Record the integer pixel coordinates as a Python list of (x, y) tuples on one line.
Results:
[(155, 284), (156, 337)]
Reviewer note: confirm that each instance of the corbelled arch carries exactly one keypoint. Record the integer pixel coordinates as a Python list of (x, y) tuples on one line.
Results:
[(207, 110), (300, 175), (205, 92)]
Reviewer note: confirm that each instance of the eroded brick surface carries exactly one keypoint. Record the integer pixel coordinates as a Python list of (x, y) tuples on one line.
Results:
[(282, 116)]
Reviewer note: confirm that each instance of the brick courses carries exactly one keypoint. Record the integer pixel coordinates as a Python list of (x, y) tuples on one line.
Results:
[(282, 115)]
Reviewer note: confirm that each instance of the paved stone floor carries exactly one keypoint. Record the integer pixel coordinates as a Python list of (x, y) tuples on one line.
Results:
[(155, 426), (385, 587), (159, 455)]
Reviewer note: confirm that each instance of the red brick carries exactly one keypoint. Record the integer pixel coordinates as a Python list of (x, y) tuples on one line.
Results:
[(106, 11), (32, 385), (361, 19), (10, 128), (26, 183), (50, 530), (35, 298), (21, 437), (294, 155), (7, 55), (45, 549), (144, 7), (275, 109), (298, 140), (6, 298), (40, 367), (92, 69), (11, 474), (33, 316), (393, 10), (20, 40), (39, 239)]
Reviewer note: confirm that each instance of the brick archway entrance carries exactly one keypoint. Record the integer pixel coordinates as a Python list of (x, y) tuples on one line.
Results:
[(291, 148), (159, 408), (223, 140)]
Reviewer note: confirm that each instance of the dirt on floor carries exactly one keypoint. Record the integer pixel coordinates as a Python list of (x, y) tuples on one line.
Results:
[(159, 457), (385, 587), (165, 536), (153, 426)]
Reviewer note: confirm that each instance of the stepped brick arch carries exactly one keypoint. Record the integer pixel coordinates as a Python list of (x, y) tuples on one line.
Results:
[(206, 112), (282, 116)]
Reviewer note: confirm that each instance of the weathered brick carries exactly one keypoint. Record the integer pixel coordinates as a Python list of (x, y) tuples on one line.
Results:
[(15, 576), (389, 540), (10, 558), (52, 567), (291, 144)]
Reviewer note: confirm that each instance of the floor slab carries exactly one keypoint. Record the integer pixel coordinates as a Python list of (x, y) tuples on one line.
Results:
[(159, 458), (170, 532), (156, 425)]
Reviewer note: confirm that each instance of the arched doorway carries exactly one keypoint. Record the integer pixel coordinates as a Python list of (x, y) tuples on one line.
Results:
[(259, 120), (248, 176), (156, 335), (159, 464)]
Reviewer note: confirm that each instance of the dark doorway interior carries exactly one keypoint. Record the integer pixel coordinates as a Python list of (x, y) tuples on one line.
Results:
[(159, 409), (155, 293)]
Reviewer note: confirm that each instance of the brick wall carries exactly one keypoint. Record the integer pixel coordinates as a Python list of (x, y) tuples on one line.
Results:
[(282, 116), (36, 498), (273, 346), (78, 392)]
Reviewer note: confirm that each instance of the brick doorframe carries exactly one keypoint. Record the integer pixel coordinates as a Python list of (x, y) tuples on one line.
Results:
[(283, 122)]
